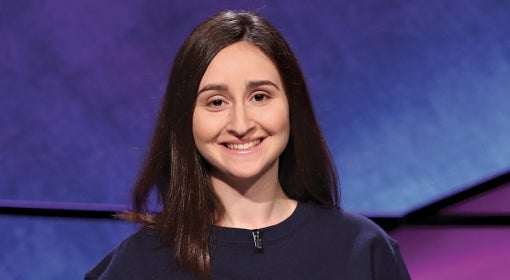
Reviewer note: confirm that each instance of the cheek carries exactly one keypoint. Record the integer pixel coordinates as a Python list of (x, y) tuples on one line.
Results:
[(283, 124), (200, 137), (205, 128), (277, 123), (285, 129), (278, 120), (198, 129)]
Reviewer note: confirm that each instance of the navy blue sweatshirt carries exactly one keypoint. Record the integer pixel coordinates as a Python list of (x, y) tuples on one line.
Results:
[(313, 243)]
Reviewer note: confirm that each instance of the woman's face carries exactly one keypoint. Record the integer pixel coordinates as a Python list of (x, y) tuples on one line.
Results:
[(241, 117)]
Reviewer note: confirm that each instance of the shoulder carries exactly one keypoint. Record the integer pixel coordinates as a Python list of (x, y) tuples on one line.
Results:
[(366, 246), (340, 220), (137, 257), (347, 226), (142, 244)]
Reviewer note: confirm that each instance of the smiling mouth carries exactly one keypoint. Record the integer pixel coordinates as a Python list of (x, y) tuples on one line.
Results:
[(244, 146)]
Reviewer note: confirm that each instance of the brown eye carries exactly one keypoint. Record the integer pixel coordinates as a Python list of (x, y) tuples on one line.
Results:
[(217, 102), (259, 97)]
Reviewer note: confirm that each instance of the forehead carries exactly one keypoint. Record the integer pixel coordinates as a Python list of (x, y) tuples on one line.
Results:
[(240, 62)]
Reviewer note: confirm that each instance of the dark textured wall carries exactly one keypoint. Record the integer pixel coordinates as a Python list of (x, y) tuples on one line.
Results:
[(412, 95)]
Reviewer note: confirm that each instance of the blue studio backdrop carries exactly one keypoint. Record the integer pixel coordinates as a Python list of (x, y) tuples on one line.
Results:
[(412, 97)]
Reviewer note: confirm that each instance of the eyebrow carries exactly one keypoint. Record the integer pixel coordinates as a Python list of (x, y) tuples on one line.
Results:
[(255, 84), (251, 85), (217, 87)]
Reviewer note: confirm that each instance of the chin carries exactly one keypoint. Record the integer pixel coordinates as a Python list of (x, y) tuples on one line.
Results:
[(240, 176), (244, 175)]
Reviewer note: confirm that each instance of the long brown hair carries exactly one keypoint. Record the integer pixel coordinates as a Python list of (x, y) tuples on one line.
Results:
[(176, 172)]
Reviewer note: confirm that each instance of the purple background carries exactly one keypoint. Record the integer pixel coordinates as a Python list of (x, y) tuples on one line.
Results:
[(412, 95), (461, 252), (467, 253)]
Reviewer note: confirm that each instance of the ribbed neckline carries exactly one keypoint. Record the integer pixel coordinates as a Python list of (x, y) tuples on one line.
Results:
[(244, 237)]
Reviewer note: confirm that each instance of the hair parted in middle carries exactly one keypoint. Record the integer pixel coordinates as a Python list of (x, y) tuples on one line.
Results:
[(175, 169)]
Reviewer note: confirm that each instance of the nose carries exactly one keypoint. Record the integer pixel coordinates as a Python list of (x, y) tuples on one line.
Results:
[(240, 122)]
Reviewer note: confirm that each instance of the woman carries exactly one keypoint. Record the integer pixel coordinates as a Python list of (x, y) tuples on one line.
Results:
[(247, 186)]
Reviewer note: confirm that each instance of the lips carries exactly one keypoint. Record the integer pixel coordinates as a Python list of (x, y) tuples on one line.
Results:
[(243, 146)]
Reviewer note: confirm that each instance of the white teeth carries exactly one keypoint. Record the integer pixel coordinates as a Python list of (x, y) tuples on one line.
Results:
[(244, 146)]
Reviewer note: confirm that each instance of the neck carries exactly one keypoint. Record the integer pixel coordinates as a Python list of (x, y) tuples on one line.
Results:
[(252, 204)]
